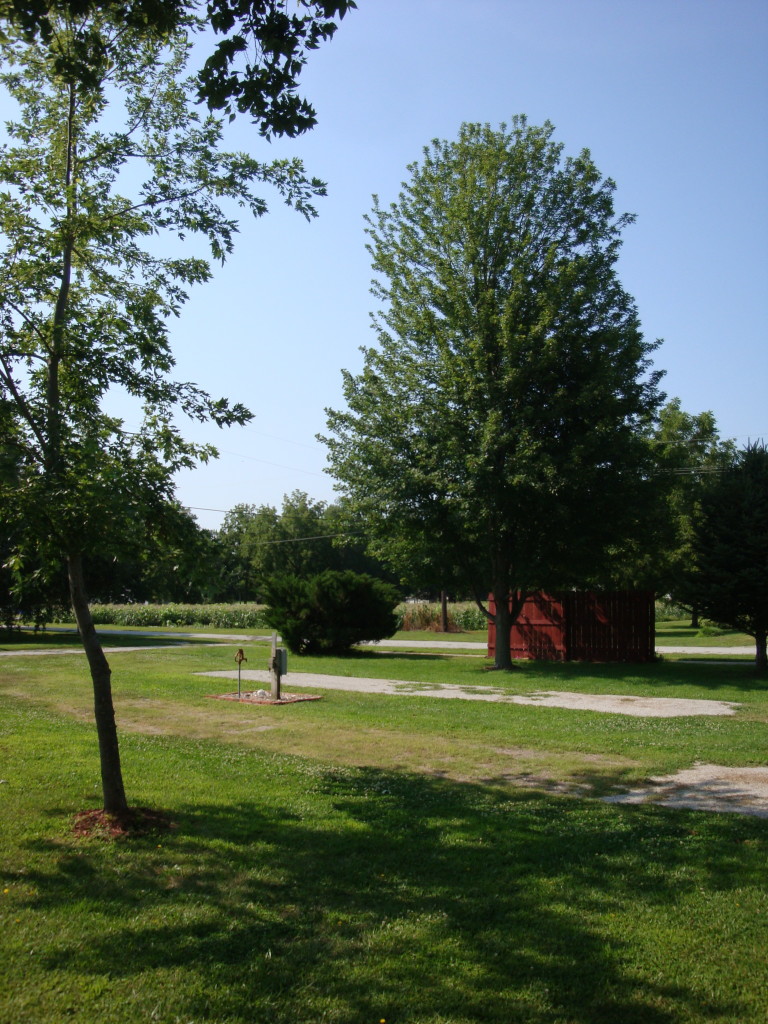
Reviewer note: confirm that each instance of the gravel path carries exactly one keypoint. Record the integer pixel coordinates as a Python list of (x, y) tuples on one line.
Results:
[(647, 707)]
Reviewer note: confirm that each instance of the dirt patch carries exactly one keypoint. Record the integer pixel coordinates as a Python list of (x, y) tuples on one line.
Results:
[(136, 821)]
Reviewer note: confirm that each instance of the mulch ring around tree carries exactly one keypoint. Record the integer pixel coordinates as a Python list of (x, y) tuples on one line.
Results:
[(261, 697), (135, 822)]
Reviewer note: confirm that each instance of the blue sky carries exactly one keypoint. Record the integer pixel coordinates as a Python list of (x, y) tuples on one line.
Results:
[(670, 96)]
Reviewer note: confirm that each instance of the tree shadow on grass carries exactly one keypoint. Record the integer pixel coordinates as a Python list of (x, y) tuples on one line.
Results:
[(388, 895), (704, 676)]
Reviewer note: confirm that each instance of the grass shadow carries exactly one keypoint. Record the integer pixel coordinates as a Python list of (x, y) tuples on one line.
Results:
[(654, 674)]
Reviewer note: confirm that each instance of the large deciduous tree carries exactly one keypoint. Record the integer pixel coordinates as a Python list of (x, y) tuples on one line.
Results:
[(91, 174), (729, 572), (497, 428)]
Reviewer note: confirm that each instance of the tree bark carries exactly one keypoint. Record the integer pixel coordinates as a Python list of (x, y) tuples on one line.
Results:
[(508, 605), (109, 751), (503, 623)]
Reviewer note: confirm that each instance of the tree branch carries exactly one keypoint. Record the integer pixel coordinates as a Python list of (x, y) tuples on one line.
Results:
[(21, 402)]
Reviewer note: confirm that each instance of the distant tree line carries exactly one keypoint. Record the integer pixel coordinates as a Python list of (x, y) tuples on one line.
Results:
[(303, 539)]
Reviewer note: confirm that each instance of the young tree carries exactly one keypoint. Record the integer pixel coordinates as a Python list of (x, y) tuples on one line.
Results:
[(94, 171), (498, 427), (729, 577)]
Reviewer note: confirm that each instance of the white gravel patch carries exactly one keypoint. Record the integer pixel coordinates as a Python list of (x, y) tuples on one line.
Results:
[(648, 707), (620, 704), (705, 787)]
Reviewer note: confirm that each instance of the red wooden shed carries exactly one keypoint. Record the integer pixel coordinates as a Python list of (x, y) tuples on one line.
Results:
[(578, 626)]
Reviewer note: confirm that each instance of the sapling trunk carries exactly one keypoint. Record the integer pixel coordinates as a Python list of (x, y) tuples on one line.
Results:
[(109, 751)]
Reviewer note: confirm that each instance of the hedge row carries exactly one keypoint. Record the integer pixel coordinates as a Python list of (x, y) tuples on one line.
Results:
[(462, 616), (223, 616)]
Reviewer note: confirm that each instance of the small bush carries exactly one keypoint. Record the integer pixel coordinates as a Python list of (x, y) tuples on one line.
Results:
[(330, 612)]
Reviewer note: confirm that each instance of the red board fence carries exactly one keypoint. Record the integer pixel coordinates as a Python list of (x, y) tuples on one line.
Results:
[(577, 626)]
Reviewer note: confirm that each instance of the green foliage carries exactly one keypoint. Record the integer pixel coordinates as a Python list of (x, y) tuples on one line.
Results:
[(330, 612), (86, 301), (495, 439), (668, 611), (107, 152), (687, 450), (708, 629)]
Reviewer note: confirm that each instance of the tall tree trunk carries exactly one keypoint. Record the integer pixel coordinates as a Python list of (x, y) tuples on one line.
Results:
[(503, 619), (503, 622), (109, 751), (761, 656), (508, 606), (443, 612)]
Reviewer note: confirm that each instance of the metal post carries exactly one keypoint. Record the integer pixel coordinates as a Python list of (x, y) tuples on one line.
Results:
[(239, 658), (275, 666)]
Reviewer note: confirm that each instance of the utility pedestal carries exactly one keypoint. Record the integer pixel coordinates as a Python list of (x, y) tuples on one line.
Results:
[(278, 666)]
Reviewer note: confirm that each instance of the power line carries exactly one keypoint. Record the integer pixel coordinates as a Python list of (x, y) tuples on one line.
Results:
[(286, 540), (320, 536), (265, 462)]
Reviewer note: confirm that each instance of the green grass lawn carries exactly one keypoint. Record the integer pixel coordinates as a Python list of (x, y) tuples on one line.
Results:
[(367, 857), (679, 633)]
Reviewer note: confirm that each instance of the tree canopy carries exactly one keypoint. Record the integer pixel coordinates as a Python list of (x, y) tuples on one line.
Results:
[(253, 70), (498, 426)]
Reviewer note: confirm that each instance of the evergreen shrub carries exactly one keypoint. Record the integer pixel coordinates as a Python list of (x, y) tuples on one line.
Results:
[(330, 612)]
